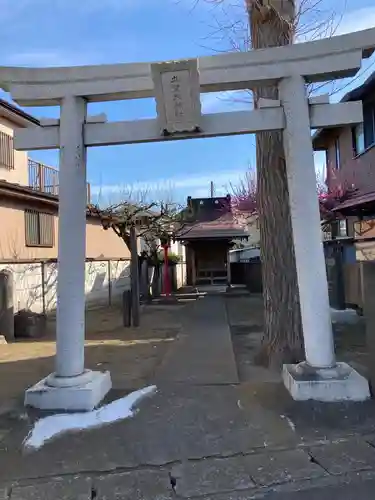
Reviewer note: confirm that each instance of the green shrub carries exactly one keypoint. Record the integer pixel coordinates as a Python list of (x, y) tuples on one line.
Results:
[(173, 258)]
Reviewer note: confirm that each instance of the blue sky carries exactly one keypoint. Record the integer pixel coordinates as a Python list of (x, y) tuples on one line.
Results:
[(75, 32)]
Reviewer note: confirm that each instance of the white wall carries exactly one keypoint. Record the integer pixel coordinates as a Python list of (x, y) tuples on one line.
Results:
[(243, 254), (28, 284), (179, 249), (181, 274)]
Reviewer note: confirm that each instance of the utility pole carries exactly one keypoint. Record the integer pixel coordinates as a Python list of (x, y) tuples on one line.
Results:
[(212, 189)]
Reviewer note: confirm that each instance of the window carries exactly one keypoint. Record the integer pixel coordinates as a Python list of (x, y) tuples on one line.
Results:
[(39, 229), (358, 139), (343, 228), (364, 133), (6, 151), (327, 234), (337, 152), (338, 229), (369, 125)]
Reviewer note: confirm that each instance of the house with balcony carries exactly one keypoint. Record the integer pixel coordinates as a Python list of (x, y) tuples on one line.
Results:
[(29, 227), (350, 178), (350, 171)]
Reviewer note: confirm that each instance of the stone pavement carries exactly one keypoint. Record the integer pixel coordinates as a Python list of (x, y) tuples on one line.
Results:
[(202, 355), (218, 440)]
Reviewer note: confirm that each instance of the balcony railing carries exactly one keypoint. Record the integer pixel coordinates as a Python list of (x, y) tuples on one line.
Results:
[(46, 179), (43, 178)]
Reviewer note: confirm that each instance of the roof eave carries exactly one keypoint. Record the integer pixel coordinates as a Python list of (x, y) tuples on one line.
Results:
[(353, 95), (17, 115), (211, 235)]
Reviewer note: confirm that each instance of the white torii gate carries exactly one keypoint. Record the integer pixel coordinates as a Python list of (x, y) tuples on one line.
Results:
[(177, 87)]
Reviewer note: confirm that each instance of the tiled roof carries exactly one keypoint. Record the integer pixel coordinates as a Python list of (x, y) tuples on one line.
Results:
[(210, 218), (356, 201)]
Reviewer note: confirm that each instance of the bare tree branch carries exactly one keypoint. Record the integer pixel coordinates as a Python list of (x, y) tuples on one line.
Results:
[(314, 19)]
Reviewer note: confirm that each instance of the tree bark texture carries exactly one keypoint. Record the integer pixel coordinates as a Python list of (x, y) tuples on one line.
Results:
[(271, 24)]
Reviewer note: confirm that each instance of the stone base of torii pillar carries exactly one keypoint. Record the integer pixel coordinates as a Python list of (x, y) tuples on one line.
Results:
[(339, 383), (82, 393)]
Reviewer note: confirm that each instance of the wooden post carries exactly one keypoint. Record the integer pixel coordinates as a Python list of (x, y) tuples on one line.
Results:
[(134, 276), (166, 280), (229, 273), (109, 284), (339, 276), (43, 276), (6, 305), (368, 286), (88, 193), (126, 308), (193, 268)]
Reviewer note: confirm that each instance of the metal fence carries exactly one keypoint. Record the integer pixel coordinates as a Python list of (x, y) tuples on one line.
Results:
[(43, 178), (46, 179)]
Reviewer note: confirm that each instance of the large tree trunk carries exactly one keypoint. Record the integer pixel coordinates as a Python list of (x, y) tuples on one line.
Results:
[(272, 25)]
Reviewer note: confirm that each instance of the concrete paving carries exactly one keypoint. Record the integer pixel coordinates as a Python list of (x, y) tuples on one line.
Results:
[(356, 490), (153, 485), (204, 433), (203, 353), (64, 489)]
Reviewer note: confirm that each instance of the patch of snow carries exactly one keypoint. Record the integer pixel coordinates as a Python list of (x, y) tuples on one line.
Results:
[(55, 425), (290, 422), (349, 316)]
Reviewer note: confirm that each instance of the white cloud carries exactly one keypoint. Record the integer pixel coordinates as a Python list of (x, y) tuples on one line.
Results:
[(341, 21), (23, 50), (194, 185), (356, 20), (215, 102), (10, 8), (48, 58)]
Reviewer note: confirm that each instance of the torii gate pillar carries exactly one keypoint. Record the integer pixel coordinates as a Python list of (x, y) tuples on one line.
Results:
[(71, 387), (319, 377)]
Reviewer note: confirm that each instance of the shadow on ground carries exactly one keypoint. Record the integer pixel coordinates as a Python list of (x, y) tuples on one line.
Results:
[(131, 354)]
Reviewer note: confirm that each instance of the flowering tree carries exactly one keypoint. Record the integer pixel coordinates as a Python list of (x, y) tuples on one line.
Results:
[(340, 189), (245, 196)]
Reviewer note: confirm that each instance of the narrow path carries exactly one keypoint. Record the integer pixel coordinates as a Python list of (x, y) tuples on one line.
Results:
[(203, 353)]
